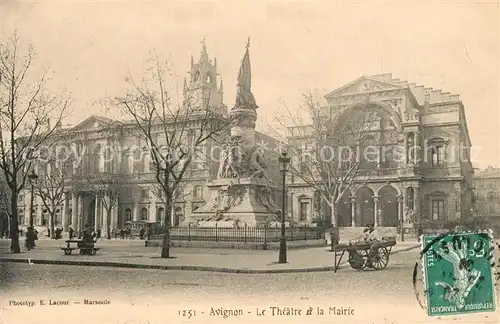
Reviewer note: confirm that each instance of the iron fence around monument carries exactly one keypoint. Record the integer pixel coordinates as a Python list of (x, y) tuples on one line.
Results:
[(241, 234)]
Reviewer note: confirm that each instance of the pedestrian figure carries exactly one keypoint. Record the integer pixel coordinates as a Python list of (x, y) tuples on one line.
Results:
[(122, 233), (141, 233), (30, 238), (71, 233), (58, 233), (98, 233)]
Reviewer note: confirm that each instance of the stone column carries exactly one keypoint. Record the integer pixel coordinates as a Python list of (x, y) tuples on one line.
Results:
[(416, 204), (38, 213), (114, 216), (147, 162), (375, 211), (104, 216), (64, 213), (152, 211), (96, 212), (353, 211), (458, 202), (27, 213), (400, 209), (411, 148), (406, 148), (74, 212), (135, 212), (416, 143), (81, 216)]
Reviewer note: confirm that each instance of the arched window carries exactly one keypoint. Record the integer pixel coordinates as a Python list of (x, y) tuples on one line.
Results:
[(161, 215), (437, 152), (209, 78), (144, 213), (369, 153), (128, 215), (45, 217), (197, 76), (57, 220)]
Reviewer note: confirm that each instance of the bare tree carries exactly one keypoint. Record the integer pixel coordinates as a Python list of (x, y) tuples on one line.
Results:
[(50, 187), (179, 194), (171, 131), (4, 205), (26, 112), (108, 186), (332, 151)]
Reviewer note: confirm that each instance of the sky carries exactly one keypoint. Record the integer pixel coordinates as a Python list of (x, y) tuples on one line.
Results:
[(91, 46)]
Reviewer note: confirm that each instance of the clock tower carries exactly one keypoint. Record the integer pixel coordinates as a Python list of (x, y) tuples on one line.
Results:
[(204, 89)]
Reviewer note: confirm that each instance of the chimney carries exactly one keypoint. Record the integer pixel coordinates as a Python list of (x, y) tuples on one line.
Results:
[(427, 99)]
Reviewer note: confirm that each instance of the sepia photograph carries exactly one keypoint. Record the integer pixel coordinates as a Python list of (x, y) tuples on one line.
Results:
[(249, 161)]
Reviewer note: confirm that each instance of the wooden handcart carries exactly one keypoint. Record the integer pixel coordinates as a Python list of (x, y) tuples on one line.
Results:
[(365, 254)]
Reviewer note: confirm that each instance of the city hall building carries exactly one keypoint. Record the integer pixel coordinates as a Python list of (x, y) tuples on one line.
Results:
[(139, 194), (435, 182)]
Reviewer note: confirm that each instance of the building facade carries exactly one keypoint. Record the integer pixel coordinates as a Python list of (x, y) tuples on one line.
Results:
[(487, 193), (434, 177), (139, 195)]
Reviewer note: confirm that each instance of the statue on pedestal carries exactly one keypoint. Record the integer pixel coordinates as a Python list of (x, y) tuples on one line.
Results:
[(231, 159), (242, 189), (409, 217), (258, 164)]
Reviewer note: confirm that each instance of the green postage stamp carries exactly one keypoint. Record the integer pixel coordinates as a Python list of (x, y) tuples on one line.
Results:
[(458, 273)]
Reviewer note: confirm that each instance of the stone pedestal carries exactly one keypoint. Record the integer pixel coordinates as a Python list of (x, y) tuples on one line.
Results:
[(242, 200)]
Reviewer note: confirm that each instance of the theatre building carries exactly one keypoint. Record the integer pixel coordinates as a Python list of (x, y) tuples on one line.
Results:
[(434, 180)]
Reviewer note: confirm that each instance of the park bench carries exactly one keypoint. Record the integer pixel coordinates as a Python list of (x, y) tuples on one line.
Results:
[(85, 247)]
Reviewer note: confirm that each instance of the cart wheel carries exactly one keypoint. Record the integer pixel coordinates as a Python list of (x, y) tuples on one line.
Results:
[(357, 259), (379, 258), (67, 252)]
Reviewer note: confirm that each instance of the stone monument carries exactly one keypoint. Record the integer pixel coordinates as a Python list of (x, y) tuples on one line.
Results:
[(242, 192)]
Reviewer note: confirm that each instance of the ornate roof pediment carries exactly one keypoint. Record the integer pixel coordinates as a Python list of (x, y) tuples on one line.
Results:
[(364, 85), (93, 122)]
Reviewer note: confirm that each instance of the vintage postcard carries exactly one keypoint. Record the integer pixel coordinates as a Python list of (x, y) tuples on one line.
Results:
[(249, 161)]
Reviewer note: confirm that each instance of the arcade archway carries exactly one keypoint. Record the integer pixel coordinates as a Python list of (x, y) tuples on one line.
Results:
[(344, 214), (178, 215), (364, 207), (388, 206)]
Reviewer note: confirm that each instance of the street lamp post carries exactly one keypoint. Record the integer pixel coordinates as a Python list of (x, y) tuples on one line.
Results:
[(284, 161), (30, 235)]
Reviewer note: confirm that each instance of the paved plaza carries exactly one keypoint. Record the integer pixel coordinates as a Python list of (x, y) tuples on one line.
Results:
[(133, 253), (381, 297)]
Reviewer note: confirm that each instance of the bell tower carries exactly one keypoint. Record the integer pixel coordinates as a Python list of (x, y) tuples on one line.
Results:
[(204, 89)]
